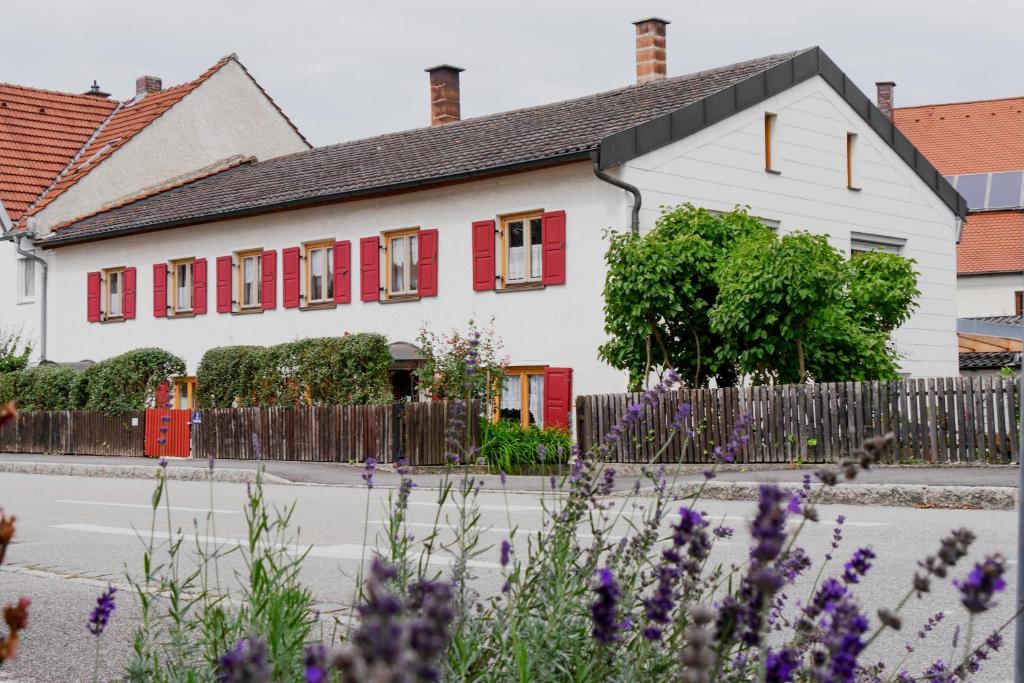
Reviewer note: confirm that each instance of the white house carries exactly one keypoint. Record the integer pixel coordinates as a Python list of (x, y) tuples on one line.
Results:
[(502, 216), (64, 155)]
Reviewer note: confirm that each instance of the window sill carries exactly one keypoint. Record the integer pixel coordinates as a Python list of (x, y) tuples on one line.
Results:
[(25, 302), (400, 298), (118, 319), (772, 171), (851, 188), (247, 311), (520, 287), (319, 305), (183, 314)]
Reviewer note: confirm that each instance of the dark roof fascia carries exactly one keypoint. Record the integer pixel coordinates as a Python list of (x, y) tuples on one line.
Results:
[(631, 143), (986, 273), (395, 188)]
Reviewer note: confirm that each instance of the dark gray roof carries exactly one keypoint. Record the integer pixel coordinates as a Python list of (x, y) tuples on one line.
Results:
[(1001, 319), (985, 360), (610, 127)]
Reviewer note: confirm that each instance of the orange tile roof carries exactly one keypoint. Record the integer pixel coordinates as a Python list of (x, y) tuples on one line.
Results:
[(992, 242), (40, 132), (125, 123), (967, 137)]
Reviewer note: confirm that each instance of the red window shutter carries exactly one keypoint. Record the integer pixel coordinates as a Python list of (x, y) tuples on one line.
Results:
[(93, 300), (428, 262), (289, 277), (369, 269), (224, 284), (199, 286), (159, 290), (483, 256), (553, 237), (342, 274), (268, 293), (557, 397), (129, 293)]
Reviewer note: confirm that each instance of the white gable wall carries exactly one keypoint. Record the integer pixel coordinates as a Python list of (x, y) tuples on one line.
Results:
[(989, 294), (723, 165)]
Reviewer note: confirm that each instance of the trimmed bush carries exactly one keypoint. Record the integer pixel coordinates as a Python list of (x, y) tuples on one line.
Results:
[(128, 381), (508, 447), (349, 370), (45, 387)]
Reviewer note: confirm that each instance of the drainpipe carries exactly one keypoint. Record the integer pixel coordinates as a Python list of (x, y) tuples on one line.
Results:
[(42, 294), (632, 189)]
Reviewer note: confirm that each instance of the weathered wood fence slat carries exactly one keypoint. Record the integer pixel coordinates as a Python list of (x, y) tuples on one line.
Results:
[(70, 431), (950, 419)]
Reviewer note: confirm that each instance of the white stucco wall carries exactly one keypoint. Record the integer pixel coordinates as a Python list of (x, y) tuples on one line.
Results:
[(226, 115), (723, 166), (984, 295), (15, 315)]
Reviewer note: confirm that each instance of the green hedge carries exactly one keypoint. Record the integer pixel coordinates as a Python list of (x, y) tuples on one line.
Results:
[(349, 370), (125, 382)]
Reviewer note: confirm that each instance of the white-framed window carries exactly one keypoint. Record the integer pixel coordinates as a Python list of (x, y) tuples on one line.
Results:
[(249, 279), (403, 258), (114, 278), (861, 243), (181, 276), (522, 255), (320, 272), (26, 280), (522, 396)]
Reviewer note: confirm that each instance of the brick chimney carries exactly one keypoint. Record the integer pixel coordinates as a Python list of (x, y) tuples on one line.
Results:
[(148, 84), (650, 50), (884, 100), (444, 94)]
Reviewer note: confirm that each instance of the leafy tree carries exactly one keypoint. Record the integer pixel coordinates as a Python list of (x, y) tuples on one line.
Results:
[(660, 288), (11, 359)]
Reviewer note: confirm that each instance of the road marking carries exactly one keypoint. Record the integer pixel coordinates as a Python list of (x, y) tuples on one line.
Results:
[(797, 520), (341, 551), (147, 507)]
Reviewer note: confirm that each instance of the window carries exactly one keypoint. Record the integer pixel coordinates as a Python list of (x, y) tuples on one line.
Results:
[(522, 396), (1018, 303), (320, 273), (26, 280), (184, 393), (114, 296), (851, 148), (182, 273), (402, 258), (249, 277), (770, 121), (860, 244), (522, 253)]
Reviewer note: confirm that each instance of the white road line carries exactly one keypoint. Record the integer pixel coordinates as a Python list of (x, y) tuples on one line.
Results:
[(796, 520), (342, 551), (146, 507)]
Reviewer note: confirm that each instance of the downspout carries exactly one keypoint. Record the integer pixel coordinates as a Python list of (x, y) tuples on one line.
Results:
[(632, 189), (42, 293)]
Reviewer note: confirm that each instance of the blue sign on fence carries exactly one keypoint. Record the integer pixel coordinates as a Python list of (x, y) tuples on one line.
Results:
[(196, 418)]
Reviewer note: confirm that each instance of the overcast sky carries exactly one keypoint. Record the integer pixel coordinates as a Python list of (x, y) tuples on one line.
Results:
[(344, 70)]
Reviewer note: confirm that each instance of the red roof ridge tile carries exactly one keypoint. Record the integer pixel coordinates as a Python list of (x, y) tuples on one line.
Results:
[(47, 91), (953, 104)]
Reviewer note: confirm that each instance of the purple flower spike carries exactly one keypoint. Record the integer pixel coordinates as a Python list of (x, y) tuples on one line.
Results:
[(506, 550), (780, 665), (101, 612), (769, 525), (604, 610), (981, 585), (371, 466), (315, 664), (245, 662)]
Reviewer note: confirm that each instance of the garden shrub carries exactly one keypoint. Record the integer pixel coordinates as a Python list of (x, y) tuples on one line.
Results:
[(461, 366), (508, 447), (44, 387), (12, 359), (7, 387), (129, 381), (349, 370)]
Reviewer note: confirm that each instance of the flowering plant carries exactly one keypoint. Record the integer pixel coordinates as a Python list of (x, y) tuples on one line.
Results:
[(446, 359)]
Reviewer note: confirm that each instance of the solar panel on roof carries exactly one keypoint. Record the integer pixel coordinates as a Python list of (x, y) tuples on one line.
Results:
[(1005, 190), (973, 187)]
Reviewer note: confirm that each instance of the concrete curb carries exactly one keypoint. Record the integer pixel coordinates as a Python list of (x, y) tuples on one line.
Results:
[(225, 474), (893, 495)]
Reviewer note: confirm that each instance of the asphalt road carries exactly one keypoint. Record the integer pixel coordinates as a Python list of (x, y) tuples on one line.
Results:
[(77, 533)]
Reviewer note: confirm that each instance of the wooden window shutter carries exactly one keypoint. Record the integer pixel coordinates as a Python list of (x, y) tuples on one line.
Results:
[(290, 277), (557, 397), (224, 284), (553, 237), (130, 278), (199, 286), (268, 293), (484, 266), (428, 262), (159, 290), (342, 274), (93, 300), (369, 269)]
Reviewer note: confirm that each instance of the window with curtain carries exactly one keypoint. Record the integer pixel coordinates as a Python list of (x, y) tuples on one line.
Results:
[(524, 248), (522, 396)]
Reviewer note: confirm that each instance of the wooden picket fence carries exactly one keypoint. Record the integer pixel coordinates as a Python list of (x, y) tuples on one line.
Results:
[(943, 420), (73, 431)]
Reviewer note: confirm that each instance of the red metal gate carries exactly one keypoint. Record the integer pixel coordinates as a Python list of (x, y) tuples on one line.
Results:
[(168, 433)]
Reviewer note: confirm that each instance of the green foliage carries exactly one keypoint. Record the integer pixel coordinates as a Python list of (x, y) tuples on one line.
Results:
[(660, 288), (129, 381), (349, 370), (443, 372), (508, 447), (11, 359), (720, 295), (44, 387)]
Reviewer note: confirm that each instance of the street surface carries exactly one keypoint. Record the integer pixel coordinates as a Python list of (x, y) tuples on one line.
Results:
[(76, 533)]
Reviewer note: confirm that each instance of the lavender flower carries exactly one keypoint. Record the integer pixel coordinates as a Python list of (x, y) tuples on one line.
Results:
[(246, 662), (379, 635), (604, 610), (607, 483), (769, 525), (722, 531), (982, 583), (858, 565), (506, 550), (428, 633), (101, 612), (371, 466), (780, 665), (316, 667)]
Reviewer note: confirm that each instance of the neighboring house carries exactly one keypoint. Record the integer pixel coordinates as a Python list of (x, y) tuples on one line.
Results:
[(986, 355), (64, 155), (502, 216)]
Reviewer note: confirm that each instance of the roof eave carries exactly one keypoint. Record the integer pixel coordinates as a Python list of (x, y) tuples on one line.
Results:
[(633, 142), (56, 241)]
